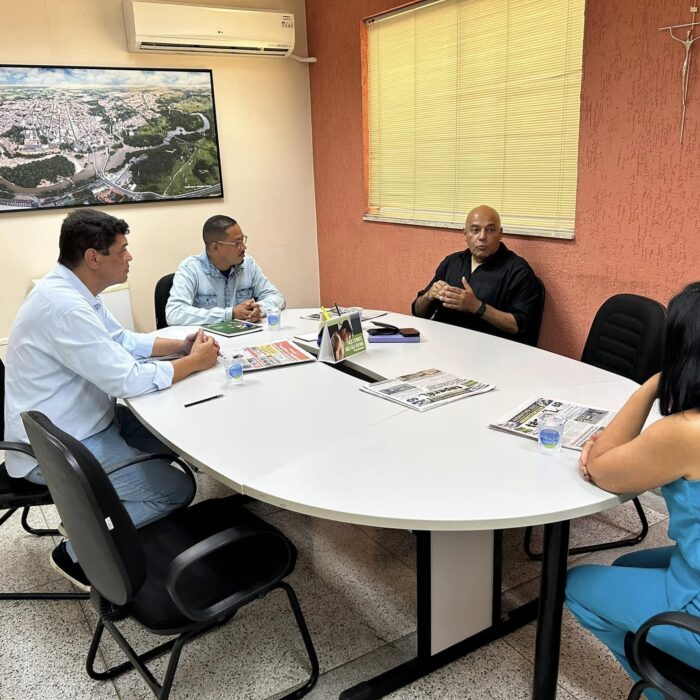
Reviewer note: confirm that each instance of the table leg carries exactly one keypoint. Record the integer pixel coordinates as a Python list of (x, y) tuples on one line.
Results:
[(552, 586), (459, 586)]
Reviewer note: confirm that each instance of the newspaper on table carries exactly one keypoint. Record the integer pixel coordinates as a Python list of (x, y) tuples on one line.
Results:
[(580, 422), (278, 354), (426, 389)]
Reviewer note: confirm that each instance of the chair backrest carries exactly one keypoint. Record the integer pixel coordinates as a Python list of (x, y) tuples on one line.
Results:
[(160, 298), (627, 337), (96, 522), (533, 335), (2, 400)]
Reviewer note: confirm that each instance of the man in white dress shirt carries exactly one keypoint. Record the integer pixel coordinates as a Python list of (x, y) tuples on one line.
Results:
[(69, 358)]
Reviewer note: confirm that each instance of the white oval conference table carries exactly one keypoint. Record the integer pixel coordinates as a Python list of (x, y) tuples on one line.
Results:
[(307, 439)]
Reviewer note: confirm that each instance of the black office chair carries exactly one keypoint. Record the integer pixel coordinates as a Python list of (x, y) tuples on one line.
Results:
[(626, 338), (533, 335), (20, 493), (658, 669), (160, 299), (183, 575)]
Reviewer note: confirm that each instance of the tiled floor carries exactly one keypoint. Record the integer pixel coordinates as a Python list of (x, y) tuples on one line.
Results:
[(356, 586)]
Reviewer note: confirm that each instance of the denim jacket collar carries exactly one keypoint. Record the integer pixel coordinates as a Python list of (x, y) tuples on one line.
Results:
[(213, 271)]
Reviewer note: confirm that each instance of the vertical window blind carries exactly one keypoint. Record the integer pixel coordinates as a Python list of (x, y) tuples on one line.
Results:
[(475, 102)]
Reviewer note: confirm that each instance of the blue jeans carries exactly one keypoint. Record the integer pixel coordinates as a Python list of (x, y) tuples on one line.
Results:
[(612, 600), (148, 490)]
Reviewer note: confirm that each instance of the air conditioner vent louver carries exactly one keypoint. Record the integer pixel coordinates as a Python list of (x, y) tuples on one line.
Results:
[(162, 26), (161, 45)]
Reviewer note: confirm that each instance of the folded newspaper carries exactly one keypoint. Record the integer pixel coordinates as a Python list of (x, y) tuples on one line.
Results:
[(278, 354), (426, 389), (580, 422)]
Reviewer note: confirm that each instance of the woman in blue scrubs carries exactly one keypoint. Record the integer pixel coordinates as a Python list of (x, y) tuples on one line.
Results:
[(613, 600)]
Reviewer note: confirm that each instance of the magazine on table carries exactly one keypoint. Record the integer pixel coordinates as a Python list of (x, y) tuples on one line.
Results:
[(580, 422), (232, 328), (279, 354), (426, 389)]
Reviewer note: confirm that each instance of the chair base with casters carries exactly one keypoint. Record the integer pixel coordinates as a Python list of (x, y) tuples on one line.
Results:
[(658, 669), (180, 576), (585, 549), (16, 494)]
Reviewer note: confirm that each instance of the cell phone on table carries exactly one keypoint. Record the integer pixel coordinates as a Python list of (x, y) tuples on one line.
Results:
[(388, 329), (382, 331)]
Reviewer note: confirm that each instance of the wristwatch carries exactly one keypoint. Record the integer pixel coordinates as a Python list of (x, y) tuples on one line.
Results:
[(481, 310)]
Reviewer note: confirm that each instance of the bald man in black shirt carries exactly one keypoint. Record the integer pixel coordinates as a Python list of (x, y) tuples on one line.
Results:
[(487, 287)]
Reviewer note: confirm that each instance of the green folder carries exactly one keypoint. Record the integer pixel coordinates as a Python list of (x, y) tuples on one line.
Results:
[(231, 328)]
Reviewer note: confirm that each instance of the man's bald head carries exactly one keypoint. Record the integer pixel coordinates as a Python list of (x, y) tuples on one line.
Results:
[(483, 232), (484, 212)]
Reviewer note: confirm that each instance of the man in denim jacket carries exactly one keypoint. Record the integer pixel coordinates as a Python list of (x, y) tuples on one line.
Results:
[(221, 283)]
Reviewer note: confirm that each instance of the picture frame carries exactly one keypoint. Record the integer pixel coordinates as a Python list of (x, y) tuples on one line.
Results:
[(74, 136)]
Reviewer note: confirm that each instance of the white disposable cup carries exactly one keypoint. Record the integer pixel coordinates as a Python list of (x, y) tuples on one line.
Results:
[(233, 370), (274, 319), (550, 433), (354, 309)]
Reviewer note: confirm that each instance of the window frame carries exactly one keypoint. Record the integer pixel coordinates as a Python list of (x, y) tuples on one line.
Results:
[(530, 231)]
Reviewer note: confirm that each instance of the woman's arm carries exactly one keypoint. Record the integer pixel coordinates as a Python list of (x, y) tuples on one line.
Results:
[(626, 460), (628, 423)]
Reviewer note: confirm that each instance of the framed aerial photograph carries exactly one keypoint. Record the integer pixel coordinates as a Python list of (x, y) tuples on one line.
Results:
[(79, 136)]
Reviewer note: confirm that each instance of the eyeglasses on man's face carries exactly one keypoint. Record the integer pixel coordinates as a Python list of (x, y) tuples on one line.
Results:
[(238, 243)]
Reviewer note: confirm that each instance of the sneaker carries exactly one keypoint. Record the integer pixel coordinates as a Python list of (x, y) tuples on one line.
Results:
[(61, 562)]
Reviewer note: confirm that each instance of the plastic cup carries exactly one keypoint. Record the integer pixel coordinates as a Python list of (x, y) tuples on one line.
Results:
[(354, 310), (233, 370), (550, 433), (274, 319)]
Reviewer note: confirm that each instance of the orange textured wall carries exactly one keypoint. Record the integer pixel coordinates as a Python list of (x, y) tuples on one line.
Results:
[(638, 208)]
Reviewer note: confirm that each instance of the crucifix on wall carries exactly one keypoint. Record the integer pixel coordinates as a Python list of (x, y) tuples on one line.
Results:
[(688, 46)]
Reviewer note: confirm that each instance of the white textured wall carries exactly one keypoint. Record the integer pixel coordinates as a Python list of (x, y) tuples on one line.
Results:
[(264, 122)]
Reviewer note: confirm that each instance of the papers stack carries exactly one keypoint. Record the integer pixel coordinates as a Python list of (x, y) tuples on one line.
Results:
[(580, 422)]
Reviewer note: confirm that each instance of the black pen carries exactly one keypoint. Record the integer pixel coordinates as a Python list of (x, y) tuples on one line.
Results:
[(209, 398)]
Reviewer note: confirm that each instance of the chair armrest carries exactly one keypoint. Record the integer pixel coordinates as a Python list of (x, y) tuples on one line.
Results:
[(643, 653), (683, 620), (159, 455), (197, 552), (16, 447)]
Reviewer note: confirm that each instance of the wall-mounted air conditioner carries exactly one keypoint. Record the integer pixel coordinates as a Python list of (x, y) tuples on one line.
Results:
[(176, 28)]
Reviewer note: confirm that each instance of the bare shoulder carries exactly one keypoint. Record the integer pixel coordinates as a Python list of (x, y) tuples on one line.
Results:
[(686, 424), (680, 433), (679, 427)]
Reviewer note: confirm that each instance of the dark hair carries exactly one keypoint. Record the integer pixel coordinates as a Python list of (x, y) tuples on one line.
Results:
[(679, 386), (215, 228), (84, 229)]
